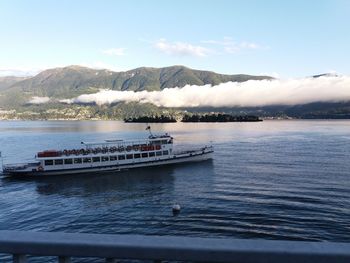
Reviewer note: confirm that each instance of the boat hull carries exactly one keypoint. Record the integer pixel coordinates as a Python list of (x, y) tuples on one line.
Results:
[(175, 159)]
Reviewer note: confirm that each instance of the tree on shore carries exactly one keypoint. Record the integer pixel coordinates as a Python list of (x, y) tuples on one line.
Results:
[(219, 118), (151, 119)]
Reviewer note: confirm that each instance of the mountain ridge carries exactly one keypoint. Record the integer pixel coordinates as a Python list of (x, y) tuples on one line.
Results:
[(72, 81), (8, 81)]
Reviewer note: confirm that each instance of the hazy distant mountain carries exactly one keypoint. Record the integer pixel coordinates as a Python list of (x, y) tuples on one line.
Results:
[(316, 110), (6, 82), (326, 75)]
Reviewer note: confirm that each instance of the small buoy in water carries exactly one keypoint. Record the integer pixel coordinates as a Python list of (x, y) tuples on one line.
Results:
[(176, 209)]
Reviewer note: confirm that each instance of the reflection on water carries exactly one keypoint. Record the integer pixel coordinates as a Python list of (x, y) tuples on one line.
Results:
[(272, 180), (120, 182)]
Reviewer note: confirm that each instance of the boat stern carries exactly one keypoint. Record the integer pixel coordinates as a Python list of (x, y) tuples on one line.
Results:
[(20, 168)]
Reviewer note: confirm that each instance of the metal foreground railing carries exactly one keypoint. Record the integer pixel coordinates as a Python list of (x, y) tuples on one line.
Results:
[(158, 248)]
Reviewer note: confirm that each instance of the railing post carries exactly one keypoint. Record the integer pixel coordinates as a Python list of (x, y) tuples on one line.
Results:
[(19, 258), (62, 259)]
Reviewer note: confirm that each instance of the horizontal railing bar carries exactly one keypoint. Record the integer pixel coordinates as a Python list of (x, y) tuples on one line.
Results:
[(170, 248)]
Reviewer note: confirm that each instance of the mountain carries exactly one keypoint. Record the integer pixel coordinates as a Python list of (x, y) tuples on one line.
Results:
[(315, 110), (326, 75), (6, 82), (77, 80), (72, 81)]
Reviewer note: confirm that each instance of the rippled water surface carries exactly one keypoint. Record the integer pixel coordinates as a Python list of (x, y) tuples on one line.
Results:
[(270, 180)]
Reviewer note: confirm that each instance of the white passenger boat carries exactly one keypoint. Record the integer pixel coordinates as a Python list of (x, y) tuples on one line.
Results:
[(109, 155)]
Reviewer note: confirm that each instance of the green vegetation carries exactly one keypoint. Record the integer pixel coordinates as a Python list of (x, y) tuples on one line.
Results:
[(57, 111), (219, 118), (6, 82), (151, 119), (195, 118)]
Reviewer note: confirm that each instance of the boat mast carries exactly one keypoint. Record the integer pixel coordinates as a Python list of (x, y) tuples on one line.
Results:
[(149, 129)]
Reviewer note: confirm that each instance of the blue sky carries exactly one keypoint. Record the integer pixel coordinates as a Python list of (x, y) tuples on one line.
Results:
[(280, 38)]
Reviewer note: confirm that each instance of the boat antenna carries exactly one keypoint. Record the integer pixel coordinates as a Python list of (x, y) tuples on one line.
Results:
[(149, 129)]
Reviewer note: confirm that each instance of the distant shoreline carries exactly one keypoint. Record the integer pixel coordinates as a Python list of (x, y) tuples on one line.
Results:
[(120, 120)]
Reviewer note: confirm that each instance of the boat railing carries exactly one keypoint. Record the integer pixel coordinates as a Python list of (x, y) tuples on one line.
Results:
[(127, 142), (19, 166), (180, 152), (103, 150), (68, 246), (209, 147)]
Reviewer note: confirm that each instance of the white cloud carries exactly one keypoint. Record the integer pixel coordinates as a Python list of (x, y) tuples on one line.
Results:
[(18, 72), (232, 94), (114, 51), (39, 100), (181, 49), (67, 101), (26, 71), (228, 45)]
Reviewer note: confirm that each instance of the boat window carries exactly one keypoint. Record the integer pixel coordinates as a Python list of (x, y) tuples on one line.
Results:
[(113, 158), (144, 155), (121, 157), (96, 159), (77, 160), (159, 153), (86, 160), (68, 161), (58, 162), (137, 155), (165, 152), (151, 154), (129, 156), (164, 141), (104, 159), (48, 162)]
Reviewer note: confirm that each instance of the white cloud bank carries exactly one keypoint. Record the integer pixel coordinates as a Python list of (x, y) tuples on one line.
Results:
[(228, 45), (181, 49), (39, 100), (114, 51), (19, 71), (232, 94)]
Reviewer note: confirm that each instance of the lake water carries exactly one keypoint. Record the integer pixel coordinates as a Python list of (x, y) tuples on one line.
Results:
[(285, 180)]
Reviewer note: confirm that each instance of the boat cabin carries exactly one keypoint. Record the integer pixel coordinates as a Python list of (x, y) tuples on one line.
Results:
[(109, 152)]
